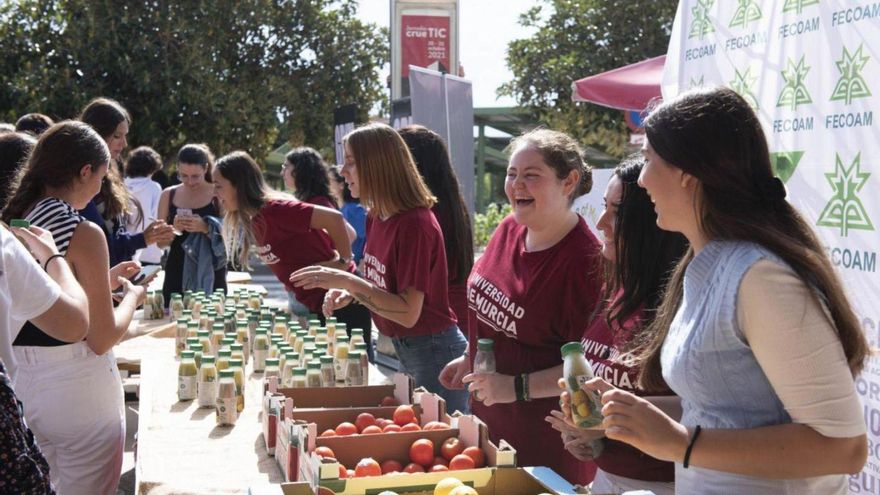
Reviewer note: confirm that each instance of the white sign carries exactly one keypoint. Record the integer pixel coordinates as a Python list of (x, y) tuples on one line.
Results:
[(811, 70)]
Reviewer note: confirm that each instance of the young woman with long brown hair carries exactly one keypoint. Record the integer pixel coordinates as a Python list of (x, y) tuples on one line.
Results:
[(755, 332), (287, 234), (405, 285), (114, 206), (72, 393)]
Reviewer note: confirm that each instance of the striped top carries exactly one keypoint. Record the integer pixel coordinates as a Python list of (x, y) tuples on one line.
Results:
[(58, 217), (61, 219)]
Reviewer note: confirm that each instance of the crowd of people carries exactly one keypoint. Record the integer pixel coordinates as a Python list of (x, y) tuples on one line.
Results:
[(723, 342)]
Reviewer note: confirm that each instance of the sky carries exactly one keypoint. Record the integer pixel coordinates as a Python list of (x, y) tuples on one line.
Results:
[(486, 26)]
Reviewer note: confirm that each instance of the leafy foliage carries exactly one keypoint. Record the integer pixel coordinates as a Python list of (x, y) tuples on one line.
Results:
[(576, 39), (234, 74), (486, 223)]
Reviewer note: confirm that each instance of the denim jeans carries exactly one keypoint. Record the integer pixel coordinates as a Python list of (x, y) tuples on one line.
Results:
[(424, 356)]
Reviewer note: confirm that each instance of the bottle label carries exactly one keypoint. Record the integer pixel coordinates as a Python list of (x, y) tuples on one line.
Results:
[(207, 392), (259, 359), (226, 411), (186, 387)]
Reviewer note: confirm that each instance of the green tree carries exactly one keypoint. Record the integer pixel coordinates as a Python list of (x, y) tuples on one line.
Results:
[(234, 74), (579, 38)]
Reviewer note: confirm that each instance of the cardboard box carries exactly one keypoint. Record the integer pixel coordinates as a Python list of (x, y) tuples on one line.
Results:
[(492, 481), (333, 397), (308, 423), (299, 463)]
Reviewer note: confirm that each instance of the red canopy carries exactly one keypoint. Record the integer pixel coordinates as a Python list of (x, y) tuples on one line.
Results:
[(630, 87)]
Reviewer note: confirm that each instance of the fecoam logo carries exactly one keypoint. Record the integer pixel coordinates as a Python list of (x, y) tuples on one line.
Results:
[(747, 11), (701, 25), (845, 210), (425, 32)]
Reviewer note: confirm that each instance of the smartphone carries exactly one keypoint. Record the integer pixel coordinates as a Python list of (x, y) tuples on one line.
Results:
[(145, 273), (185, 212)]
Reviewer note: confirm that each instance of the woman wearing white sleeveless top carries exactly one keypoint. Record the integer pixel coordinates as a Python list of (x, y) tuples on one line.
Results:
[(755, 333)]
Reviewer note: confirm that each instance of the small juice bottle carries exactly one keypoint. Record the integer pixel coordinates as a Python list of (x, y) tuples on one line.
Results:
[(586, 409), (187, 377)]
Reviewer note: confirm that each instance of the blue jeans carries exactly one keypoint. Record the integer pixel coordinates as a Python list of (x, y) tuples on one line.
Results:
[(424, 356)]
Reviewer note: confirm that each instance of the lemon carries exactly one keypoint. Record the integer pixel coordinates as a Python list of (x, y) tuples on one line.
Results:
[(583, 410), (578, 397), (463, 490), (446, 486)]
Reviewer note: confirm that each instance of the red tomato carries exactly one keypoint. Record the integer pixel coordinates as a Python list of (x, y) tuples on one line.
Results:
[(436, 425), (436, 468), (343, 473), (404, 415), (477, 455), (451, 447), (391, 466), (364, 420), (371, 430), (382, 422), (323, 490), (392, 428), (461, 461), (325, 452), (389, 401), (328, 433), (413, 468), (367, 467), (440, 460), (346, 428), (422, 452), (410, 427)]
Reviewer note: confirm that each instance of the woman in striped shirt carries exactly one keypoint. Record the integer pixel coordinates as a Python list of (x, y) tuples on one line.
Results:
[(72, 393)]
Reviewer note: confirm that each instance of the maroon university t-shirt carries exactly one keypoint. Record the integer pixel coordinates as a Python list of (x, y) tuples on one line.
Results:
[(285, 242), (603, 347), (530, 304), (406, 251)]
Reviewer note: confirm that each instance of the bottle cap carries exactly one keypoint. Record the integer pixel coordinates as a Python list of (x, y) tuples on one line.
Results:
[(326, 359), (207, 359), (299, 371), (485, 344), (235, 363), (188, 354), (227, 373), (272, 361), (572, 347)]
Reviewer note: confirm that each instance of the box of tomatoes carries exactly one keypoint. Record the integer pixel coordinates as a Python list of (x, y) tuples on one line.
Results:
[(360, 464), (400, 391), (490, 481), (326, 431)]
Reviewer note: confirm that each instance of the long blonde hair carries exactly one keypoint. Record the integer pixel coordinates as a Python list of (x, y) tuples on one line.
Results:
[(388, 179)]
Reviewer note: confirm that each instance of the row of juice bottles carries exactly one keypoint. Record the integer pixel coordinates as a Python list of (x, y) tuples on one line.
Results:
[(314, 356)]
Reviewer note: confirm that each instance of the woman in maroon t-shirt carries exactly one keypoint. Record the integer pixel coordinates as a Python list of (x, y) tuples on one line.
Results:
[(641, 255), (285, 233), (406, 286), (432, 159), (534, 289), (305, 173)]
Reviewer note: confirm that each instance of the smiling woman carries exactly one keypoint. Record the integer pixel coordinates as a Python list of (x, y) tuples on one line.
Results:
[(534, 289)]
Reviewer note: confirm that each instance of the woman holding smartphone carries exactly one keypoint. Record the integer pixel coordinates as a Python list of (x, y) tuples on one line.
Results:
[(194, 212), (72, 393)]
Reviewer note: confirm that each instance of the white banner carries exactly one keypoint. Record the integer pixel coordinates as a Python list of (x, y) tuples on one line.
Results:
[(811, 69)]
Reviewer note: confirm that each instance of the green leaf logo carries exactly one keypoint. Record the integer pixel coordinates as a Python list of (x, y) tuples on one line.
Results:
[(785, 162), (845, 210), (794, 92), (798, 5), (747, 11), (744, 84), (851, 84), (701, 25)]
